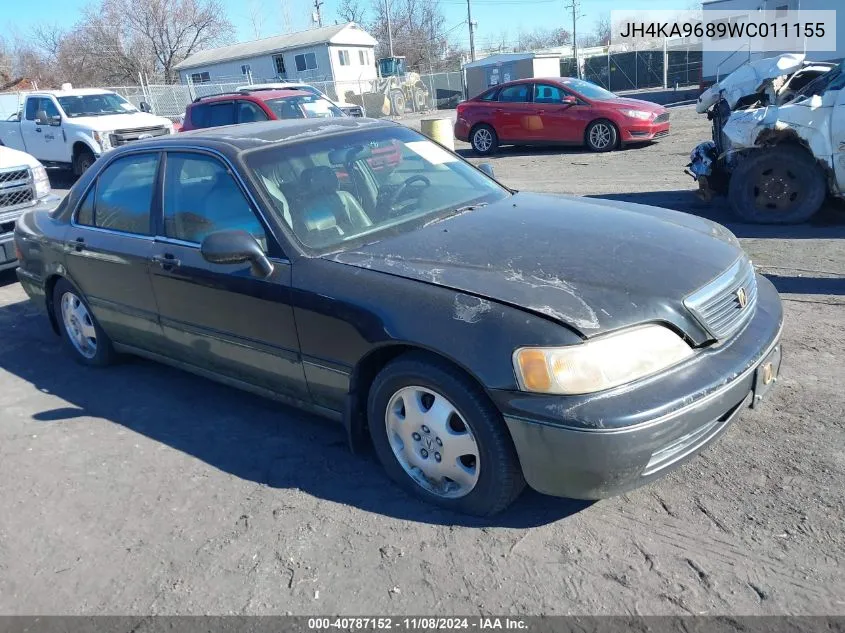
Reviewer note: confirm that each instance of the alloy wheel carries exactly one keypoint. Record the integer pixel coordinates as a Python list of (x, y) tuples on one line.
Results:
[(601, 135), (482, 140), (432, 442), (79, 325)]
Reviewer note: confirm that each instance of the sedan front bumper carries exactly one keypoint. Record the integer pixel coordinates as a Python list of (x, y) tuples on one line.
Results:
[(600, 445)]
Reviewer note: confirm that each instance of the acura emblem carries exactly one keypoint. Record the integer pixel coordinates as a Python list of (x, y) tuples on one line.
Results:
[(742, 297), (141, 137)]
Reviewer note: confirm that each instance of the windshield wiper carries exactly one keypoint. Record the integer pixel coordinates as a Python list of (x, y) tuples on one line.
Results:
[(457, 211)]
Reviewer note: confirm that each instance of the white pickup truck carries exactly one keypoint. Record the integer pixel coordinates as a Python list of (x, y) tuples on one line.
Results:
[(23, 185), (71, 128)]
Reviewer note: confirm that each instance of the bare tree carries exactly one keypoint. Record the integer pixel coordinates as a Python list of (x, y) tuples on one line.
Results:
[(419, 31), (352, 11), (601, 31), (541, 38)]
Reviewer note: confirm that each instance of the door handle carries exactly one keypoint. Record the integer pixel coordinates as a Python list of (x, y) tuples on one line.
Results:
[(38, 129), (79, 246), (166, 261)]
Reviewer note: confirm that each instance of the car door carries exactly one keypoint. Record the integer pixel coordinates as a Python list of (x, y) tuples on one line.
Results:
[(109, 245), (43, 141), (515, 114), (561, 122), (221, 318), (837, 131), (248, 112)]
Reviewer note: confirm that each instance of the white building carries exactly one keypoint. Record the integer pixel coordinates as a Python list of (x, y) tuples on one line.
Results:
[(340, 53), (718, 64)]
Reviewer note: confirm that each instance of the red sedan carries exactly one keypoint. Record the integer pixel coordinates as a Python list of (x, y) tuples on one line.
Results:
[(560, 110)]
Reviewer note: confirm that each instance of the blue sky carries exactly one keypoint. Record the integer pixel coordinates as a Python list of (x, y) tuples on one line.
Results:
[(493, 16)]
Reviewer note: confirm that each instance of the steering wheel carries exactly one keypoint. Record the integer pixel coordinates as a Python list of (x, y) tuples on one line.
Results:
[(396, 195)]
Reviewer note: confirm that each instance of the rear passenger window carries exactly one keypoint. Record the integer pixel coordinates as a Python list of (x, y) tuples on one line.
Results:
[(515, 94), (248, 112), (201, 196), (213, 114), (123, 196)]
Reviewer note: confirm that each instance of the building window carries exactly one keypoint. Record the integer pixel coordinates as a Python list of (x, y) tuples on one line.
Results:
[(362, 57), (200, 78), (305, 61), (780, 12), (245, 69), (343, 56), (279, 62)]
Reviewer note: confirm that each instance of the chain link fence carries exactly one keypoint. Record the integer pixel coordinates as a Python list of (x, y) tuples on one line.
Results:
[(638, 70), (378, 98)]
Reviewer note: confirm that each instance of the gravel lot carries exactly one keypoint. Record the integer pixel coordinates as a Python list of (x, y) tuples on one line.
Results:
[(143, 490)]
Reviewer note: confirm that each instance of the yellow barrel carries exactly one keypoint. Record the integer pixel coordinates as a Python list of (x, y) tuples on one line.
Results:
[(439, 130)]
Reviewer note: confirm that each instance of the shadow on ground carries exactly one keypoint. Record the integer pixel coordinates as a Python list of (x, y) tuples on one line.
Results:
[(828, 223), (61, 178), (244, 435), (541, 150)]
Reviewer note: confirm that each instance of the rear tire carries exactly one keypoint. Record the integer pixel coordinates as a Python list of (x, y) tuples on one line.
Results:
[(84, 337), (777, 185), (484, 140), (601, 136), (428, 421)]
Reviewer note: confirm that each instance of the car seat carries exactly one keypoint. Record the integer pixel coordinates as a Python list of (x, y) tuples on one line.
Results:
[(322, 195)]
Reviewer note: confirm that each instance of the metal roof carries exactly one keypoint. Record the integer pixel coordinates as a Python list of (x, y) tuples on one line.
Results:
[(503, 58), (333, 34)]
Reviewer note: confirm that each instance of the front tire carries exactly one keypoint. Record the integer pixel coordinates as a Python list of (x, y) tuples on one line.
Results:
[(82, 162), (777, 185), (439, 437), (397, 102), (484, 140), (601, 136), (80, 331)]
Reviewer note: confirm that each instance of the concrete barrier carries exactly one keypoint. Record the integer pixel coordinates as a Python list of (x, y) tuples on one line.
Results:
[(439, 130)]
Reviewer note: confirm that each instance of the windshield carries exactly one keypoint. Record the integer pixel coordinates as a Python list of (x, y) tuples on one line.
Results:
[(589, 90), (304, 107), (832, 80), (95, 105), (339, 191)]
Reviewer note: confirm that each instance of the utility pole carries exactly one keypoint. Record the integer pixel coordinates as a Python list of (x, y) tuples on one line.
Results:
[(317, 5), (575, 6), (471, 33), (389, 28)]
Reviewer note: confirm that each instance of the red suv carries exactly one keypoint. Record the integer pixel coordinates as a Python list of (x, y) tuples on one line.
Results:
[(562, 111), (261, 105)]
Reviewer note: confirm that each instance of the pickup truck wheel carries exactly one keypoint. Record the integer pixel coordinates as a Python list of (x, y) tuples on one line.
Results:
[(438, 436), (82, 162), (88, 343), (778, 185)]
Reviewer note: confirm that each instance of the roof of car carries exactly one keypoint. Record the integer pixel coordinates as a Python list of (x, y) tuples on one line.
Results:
[(250, 135), (259, 95)]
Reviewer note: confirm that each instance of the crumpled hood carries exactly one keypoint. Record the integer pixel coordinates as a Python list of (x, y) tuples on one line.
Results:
[(594, 265), (749, 79)]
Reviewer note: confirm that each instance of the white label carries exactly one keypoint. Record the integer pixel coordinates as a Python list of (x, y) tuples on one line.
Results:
[(431, 153)]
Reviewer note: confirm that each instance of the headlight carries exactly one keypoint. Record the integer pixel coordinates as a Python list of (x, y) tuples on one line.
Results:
[(103, 139), (605, 362), (42, 182), (642, 115)]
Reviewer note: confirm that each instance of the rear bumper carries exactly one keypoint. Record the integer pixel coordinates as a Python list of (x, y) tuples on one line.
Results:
[(646, 132), (462, 128), (592, 447)]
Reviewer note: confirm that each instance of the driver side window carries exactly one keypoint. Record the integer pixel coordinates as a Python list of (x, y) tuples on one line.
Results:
[(200, 196), (546, 93)]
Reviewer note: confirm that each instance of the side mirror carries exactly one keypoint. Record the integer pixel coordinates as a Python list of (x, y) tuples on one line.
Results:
[(235, 247), (569, 100), (55, 121), (145, 107), (487, 168)]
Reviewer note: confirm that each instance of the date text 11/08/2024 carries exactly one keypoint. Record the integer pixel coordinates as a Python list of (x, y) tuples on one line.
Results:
[(416, 623)]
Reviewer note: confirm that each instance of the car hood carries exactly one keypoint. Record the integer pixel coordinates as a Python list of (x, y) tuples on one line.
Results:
[(594, 265), (14, 158), (110, 122), (749, 79), (637, 104)]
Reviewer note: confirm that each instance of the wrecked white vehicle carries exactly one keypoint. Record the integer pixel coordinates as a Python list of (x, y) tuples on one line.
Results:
[(778, 145)]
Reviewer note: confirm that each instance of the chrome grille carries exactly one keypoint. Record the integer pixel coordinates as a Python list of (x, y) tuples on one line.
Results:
[(661, 118), (16, 188), (15, 174), (718, 307), (121, 137)]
